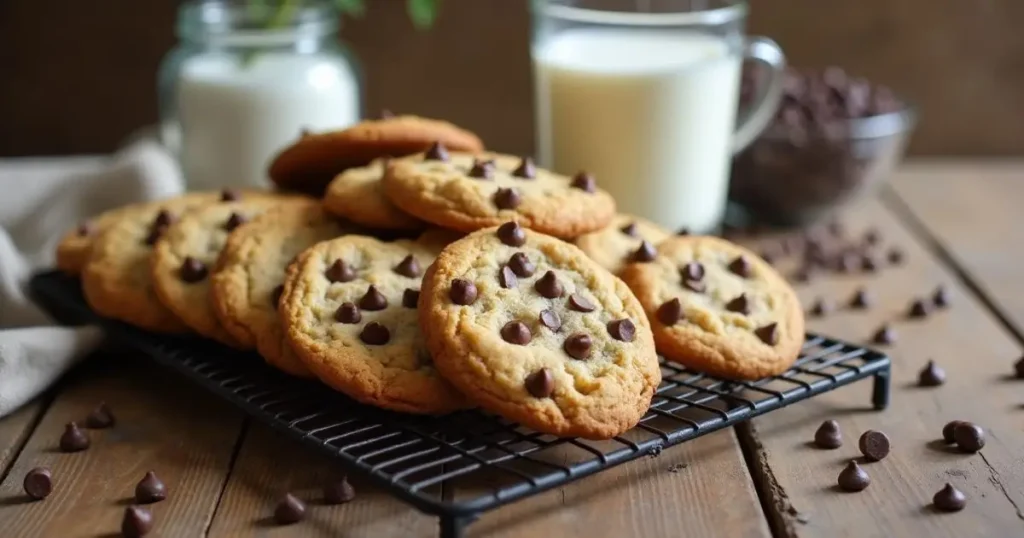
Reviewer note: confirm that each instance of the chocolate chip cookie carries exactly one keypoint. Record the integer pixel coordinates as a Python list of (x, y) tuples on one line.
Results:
[(614, 246), (528, 326), (357, 195), (718, 308), (76, 245), (467, 192), (248, 280), (316, 158), (350, 313)]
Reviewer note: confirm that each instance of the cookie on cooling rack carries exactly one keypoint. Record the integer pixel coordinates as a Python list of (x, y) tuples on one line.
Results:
[(718, 308), (614, 245), (76, 245), (529, 327), (357, 195)]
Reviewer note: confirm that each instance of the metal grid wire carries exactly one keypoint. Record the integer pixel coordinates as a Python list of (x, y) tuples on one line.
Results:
[(487, 460)]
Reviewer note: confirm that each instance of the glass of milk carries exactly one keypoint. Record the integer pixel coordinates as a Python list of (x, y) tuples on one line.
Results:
[(245, 79), (644, 95)]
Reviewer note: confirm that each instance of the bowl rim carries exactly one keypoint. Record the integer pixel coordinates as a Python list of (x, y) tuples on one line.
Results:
[(886, 124)]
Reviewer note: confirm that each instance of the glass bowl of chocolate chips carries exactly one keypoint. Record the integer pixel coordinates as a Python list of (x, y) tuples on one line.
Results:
[(834, 139)]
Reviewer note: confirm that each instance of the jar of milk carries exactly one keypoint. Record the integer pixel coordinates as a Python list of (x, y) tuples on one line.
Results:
[(246, 77)]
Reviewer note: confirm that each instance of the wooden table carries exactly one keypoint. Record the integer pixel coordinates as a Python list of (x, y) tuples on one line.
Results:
[(959, 223)]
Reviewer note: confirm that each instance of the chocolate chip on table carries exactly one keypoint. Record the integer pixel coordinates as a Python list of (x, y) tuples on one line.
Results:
[(769, 334), (192, 270), (410, 298), (630, 230), (409, 267), (740, 266), (947, 430), (482, 169), (644, 253), (969, 437), (874, 445), (1018, 368), (348, 313), (670, 312), (949, 499), (821, 307), (234, 221), (375, 334), (436, 152), (540, 384), (289, 510), (861, 299), (580, 303), (512, 234), (853, 478), (885, 335), (507, 199), (548, 286), (373, 299), (74, 439), (275, 295), (100, 417), (339, 271), (516, 332), (622, 330), (828, 435), (339, 492), (740, 304), (229, 195), (584, 182), (462, 292), (932, 375), (895, 256), (38, 483), (137, 522), (940, 297), (578, 346), (521, 265), (526, 169), (150, 489), (85, 228), (692, 271), (918, 309), (550, 319)]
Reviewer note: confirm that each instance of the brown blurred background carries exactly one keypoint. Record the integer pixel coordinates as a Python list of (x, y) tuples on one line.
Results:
[(80, 76)]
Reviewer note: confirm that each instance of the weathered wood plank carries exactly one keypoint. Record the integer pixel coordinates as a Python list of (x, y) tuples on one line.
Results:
[(15, 430)]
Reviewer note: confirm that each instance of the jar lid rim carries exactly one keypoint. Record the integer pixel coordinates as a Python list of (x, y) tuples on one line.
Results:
[(202, 19)]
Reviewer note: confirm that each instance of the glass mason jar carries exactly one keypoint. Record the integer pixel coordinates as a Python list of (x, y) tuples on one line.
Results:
[(245, 79)]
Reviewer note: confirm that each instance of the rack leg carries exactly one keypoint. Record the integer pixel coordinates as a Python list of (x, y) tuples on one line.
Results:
[(880, 390), (455, 526)]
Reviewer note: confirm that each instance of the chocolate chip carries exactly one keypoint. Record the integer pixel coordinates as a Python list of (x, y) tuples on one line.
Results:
[(580, 303), (163, 219), (895, 256), (740, 266), (874, 445), (137, 522), (526, 169), (694, 286), (540, 384), (373, 299), (410, 298), (969, 437), (507, 199), (339, 271), (348, 313), (884, 335), (375, 334), (693, 271), (821, 308), (548, 286), (339, 492), (932, 375), (482, 169), (436, 152), (516, 332), (38, 483), (918, 309), (507, 278), (644, 253), (150, 489), (85, 228), (768, 334), (949, 428), (853, 478), (949, 499), (861, 299), (275, 295), (234, 221), (409, 267), (100, 417), (462, 292), (289, 510), (192, 270), (740, 304), (73, 439), (868, 264), (872, 237), (550, 319), (521, 265), (828, 435), (940, 297), (622, 330), (630, 230), (229, 195), (578, 346), (1018, 368), (670, 312), (584, 182), (511, 234)]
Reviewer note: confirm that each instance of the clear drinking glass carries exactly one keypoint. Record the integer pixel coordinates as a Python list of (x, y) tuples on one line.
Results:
[(644, 95)]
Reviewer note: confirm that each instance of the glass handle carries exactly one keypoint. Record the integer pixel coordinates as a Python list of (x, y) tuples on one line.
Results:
[(766, 102)]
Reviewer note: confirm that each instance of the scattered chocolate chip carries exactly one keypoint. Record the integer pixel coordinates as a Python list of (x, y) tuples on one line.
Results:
[(895, 256), (868, 264), (526, 169), (740, 266), (1018, 368), (550, 319), (339, 492), (234, 221), (853, 478), (521, 265), (670, 312), (275, 295), (100, 417), (482, 169), (580, 303), (821, 308), (150, 489), (768, 334), (969, 437), (289, 510), (137, 522), (548, 286), (622, 330), (511, 234), (949, 499), (73, 439), (584, 182), (375, 334), (507, 199), (932, 375), (740, 304), (38, 483), (630, 230), (940, 297), (462, 292), (872, 237), (348, 313), (409, 267), (339, 271), (694, 286), (861, 299), (828, 435), (918, 309), (192, 270), (540, 384), (516, 332), (693, 271), (874, 445), (684, 231), (578, 346), (948, 429), (373, 299), (229, 195), (410, 298), (436, 152), (884, 335), (85, 228)]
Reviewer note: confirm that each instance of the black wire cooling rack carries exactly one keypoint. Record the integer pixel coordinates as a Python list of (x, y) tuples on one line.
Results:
[(461, 465)]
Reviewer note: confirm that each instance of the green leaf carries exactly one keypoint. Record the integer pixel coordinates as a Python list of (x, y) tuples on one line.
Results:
[(422, 12), (355, 8)]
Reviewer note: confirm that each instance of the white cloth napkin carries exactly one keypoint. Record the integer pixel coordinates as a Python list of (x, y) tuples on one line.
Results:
[(40, 199)]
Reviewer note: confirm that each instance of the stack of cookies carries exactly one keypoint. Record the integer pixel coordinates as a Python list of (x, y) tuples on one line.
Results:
[(419, 273)]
